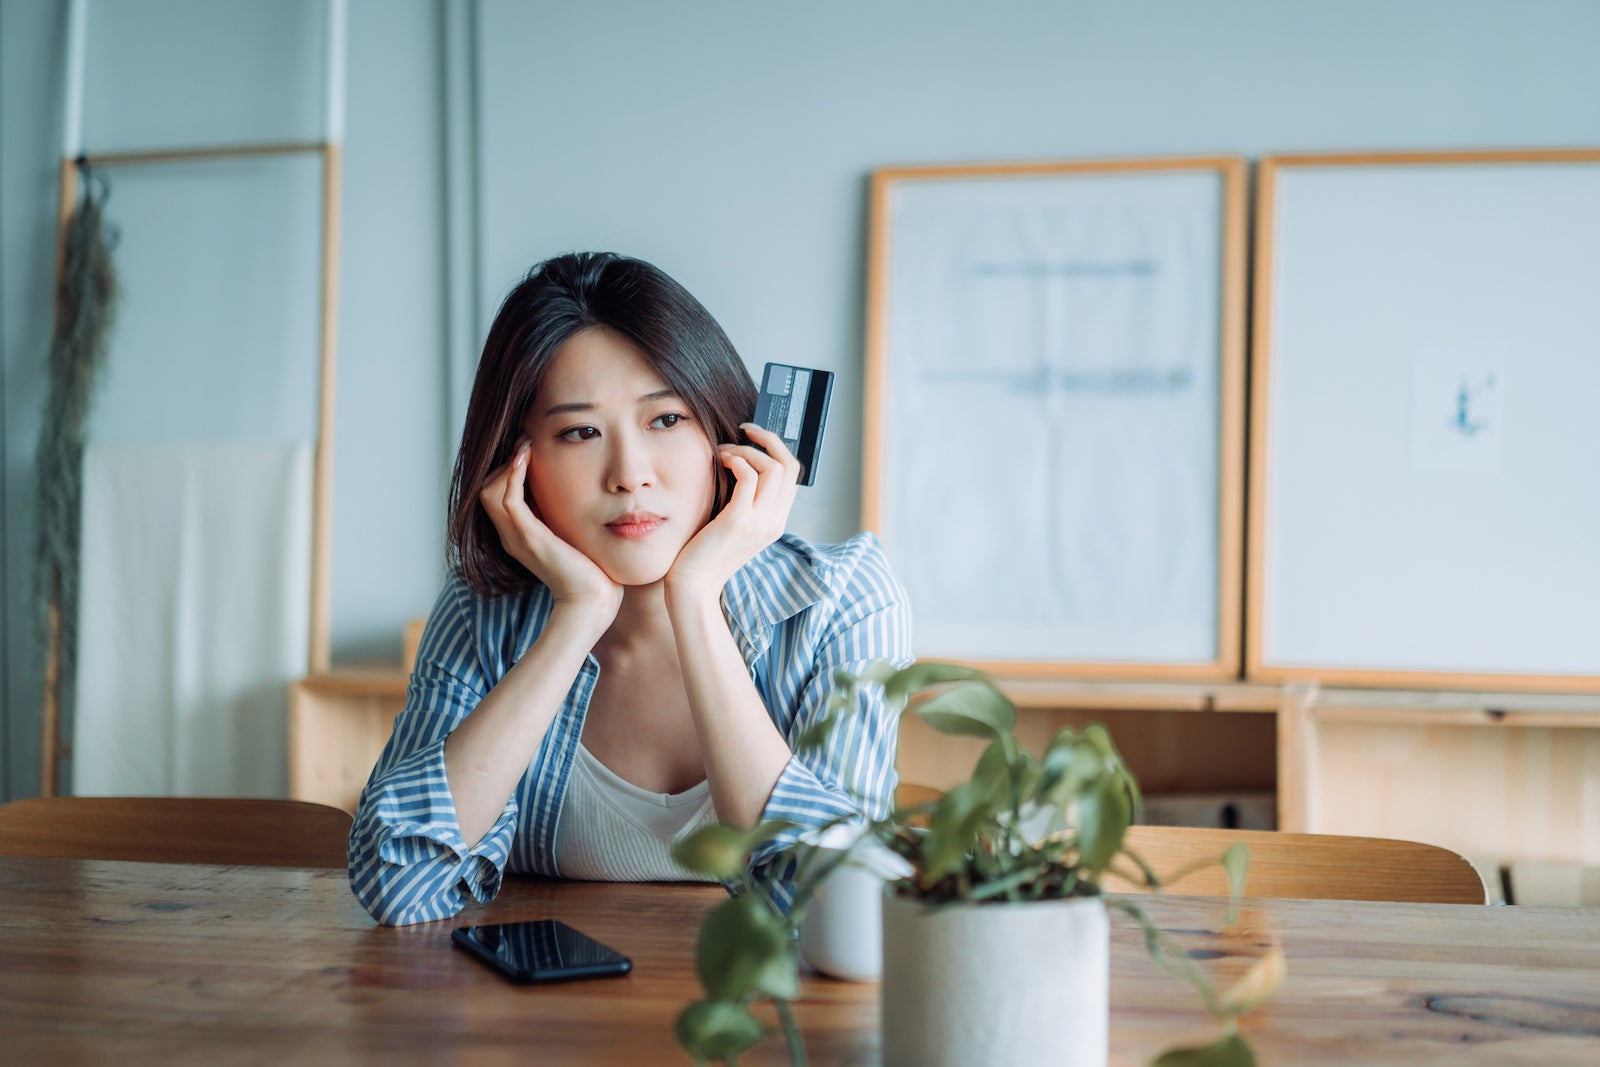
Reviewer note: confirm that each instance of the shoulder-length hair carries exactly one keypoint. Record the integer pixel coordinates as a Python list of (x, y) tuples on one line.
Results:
[(558, 298)]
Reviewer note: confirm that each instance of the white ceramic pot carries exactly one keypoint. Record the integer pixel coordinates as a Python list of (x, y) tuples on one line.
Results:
[(995, 984), (842, 935)]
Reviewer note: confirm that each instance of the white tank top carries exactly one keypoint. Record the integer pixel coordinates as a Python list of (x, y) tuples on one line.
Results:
[(610, 830)]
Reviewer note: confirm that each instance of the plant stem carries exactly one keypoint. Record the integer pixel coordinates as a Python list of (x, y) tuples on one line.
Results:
[(791, 1033)]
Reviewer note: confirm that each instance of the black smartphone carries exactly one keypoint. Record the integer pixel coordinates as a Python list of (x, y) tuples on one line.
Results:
[(545, 950), (793, 403)]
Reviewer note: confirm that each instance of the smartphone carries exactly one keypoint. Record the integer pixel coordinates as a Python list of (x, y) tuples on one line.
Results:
[(793, 404), (542, 951)]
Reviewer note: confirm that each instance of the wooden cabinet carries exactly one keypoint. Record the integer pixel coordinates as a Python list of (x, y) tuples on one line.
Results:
[(338, 725), (1500, 778), (1497, 777)]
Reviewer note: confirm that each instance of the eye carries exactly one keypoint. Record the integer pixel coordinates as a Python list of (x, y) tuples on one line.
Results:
[(579, 433), (667, 421)]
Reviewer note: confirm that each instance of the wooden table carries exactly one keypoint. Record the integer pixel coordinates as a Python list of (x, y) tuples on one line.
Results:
[(154, 963)]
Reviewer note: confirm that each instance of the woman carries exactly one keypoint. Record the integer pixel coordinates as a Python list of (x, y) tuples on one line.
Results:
[(628, 644)]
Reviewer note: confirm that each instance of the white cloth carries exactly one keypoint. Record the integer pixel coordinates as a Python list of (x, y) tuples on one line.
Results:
[(611, 830), (193, 616)]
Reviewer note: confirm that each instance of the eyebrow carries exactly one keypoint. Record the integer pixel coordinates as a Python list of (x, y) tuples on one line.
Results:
[(584, 405)]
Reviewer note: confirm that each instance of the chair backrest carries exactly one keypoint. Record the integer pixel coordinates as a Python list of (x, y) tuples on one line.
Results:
[(1308, 866), (236, 831)]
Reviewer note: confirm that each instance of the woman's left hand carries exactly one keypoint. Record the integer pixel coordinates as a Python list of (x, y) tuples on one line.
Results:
[(755, 516)]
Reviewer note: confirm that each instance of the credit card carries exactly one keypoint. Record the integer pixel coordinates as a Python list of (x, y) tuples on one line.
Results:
[(794, 405)]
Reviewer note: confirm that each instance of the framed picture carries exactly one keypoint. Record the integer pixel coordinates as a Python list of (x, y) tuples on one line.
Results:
[(1053, 445), (1425, 454)]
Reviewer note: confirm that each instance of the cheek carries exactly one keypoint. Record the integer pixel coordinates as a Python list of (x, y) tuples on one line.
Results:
[(707, 474), (546, 491)]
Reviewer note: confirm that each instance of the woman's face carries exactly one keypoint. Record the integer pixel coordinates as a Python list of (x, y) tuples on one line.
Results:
[(619, 468)]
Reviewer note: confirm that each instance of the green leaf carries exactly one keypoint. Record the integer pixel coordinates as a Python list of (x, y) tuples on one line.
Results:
[(744, 948), (953, 830), (1167, 954), (1100, 738), (970, 709), (717, 1029), (1256, 985), (717, 850), (1062, 768), (1231, 1051), (1025, 774), (920, 676), (991, 778), (879, 671), (1103, 817), (1236, 862)]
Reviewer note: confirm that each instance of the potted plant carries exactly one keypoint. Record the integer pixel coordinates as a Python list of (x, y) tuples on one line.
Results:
[(995, 941)]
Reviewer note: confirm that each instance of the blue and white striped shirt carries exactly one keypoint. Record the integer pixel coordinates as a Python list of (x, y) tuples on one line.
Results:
[(798, 612)]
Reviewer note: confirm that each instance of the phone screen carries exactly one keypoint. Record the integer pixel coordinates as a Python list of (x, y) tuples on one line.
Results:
[(545, 950)]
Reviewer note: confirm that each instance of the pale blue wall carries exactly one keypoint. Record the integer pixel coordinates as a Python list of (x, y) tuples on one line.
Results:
[(728, 141), (182, 72)]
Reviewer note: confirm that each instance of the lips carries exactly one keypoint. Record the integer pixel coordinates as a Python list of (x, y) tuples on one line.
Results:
[(635, 524)]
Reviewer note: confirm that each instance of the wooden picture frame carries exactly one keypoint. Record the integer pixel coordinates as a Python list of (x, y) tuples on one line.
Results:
[(1054, 354), (1425, 335)]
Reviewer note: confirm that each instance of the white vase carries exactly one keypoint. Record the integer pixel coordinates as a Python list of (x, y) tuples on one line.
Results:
[(842, 936), (995, 984)]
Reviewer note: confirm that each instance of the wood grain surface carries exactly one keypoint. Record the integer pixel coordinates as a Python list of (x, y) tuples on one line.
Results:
[(137, 963), (254, 831)]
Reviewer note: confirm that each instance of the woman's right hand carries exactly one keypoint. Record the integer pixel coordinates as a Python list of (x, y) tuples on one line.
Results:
[(574, 580)]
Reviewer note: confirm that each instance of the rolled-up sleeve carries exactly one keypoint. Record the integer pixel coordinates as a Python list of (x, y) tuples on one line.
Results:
[(867, 620), (408, 860)]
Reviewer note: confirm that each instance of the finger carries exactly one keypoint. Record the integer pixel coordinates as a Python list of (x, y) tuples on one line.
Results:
[(492, 493), (493, 482), (779, 474), (745, 480), (514, 485), (767, 440), (761, 461), (774, 446)]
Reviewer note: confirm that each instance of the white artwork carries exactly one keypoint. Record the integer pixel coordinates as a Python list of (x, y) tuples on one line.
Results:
[(1051, 456), (1430, 502), (1457, 412)]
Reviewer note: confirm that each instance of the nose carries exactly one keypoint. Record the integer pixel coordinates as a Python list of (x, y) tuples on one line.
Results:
[(629, 467)]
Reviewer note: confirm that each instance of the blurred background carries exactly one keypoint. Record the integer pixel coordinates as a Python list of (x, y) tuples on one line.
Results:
[(729, 143)]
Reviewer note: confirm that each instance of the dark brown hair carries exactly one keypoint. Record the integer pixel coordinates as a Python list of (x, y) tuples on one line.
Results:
[(558, 298)]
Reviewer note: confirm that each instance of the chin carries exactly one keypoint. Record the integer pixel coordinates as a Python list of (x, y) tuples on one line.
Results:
[(635, 573)]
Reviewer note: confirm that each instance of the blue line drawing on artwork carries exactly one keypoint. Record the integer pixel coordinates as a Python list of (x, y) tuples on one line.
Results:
[(1465, 423)]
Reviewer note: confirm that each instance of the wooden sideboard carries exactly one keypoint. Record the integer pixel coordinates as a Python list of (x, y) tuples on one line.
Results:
[(338, 725), (1504, 779)]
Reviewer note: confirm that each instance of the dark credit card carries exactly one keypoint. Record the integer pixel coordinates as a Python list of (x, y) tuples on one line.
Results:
[(794, 405)]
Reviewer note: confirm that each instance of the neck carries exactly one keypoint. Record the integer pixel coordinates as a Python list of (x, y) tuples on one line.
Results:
[(641, 620)]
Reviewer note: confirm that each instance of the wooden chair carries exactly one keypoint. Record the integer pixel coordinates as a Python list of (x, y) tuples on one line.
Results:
[(907, 795), (1292, 866), (1308, 866), (233, 831)]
